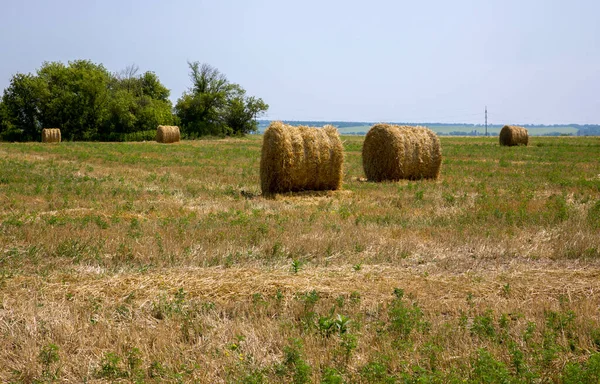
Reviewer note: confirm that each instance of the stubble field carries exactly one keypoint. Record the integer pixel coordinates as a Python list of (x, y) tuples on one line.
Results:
[(142, 262)]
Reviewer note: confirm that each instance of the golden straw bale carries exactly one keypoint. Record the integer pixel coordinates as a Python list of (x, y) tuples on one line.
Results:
[(168, 134), (300, 158), (392, 152), (511, 135), (51, 135)]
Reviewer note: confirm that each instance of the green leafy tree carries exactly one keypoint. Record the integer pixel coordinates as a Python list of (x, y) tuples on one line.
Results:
[(85, 101), (241, 111), (137, 104), (213, 106), (5, 124), (199, 108), (21, 109), (75, 98)]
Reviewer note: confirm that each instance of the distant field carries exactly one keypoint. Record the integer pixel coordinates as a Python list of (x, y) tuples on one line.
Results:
[(537, 131), (150, 263)]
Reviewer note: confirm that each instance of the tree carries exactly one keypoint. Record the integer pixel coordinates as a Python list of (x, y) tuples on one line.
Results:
[(242, 111), (199, 108), (21, 108), (75, 98), (85, 101), (213, 106), (137, 104)]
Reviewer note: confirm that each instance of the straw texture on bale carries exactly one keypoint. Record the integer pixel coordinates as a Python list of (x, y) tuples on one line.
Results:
[(167, 134), (511, 135), (392, 152), (51, 135), (300, 159)]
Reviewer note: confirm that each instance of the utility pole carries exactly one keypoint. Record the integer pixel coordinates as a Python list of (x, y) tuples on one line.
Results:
[(486, 120)]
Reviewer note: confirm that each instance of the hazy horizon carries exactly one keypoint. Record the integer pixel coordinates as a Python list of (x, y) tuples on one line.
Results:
[(531, 62)]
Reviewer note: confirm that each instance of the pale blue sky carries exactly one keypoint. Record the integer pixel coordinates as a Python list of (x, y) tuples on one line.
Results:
[(529, 61)]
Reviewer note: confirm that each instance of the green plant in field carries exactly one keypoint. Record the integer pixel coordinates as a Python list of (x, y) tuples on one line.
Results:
[(293, 365), (529, 331), (355, 297), (156, 370), (419, 195), (328, 325), (110, 367), (378, 371), (310, 298), (593, 215), (254, 376), (348, 343), (486, 369), (48, 357), (449, 198), (483, 325), (404, 318), (586, 372), (556, 209), (134, 365), (331, 376), (113, 367), (296, 266)]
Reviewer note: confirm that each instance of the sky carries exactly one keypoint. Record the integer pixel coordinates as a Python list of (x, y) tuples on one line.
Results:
[(528, 61)]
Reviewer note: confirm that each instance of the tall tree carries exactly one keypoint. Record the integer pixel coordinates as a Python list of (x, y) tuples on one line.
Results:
[(75, 98), (85, 101), (213, 106), (241, 111), (21, 108), (137, 103)]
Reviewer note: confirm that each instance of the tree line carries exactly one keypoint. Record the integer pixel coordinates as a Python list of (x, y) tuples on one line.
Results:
[(87, 102)]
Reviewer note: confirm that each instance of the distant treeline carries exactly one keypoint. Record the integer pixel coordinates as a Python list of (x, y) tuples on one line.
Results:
[(452, 129), (87, 102)]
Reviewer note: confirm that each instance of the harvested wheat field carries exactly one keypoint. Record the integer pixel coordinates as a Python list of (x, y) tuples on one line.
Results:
[(139, 262)]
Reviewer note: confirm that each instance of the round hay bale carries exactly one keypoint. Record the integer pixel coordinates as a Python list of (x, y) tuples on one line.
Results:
[(392, 152), (300, 159), (511, 135), (168, 134), (51, 135)]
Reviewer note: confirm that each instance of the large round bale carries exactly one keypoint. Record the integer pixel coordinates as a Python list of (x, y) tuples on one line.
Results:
[(167, 134), (392, 152), (51, 135), (300, 159), (511, 135)]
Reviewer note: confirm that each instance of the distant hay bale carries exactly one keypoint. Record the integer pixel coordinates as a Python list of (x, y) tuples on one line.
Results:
[(392, 152), (511, 135), (51, 135), (167, 134), (300, 159)]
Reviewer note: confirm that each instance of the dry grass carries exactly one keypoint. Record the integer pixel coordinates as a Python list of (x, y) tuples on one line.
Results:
[(51, 135), (392, 153), (150, 263), (300, 158), (167, 134), (511, 135)]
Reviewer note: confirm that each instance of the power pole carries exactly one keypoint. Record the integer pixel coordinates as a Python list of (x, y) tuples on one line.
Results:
[(486, 120)]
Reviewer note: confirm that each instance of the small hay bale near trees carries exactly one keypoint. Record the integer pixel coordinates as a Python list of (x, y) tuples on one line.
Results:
[(300, 159), (51, 135), (392, 153), (168, 134), (511, 135)]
